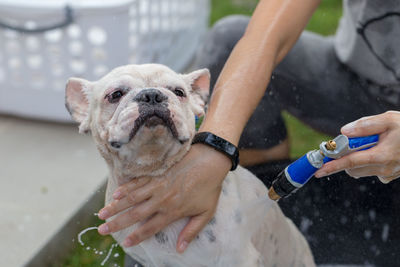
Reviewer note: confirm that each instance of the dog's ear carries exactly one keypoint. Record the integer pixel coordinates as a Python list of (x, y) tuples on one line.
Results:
[(77, 97), (199, 80)]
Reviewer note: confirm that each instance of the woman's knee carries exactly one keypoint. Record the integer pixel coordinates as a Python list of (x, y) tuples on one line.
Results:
[(227, 31), (231, 27), (218, 44)]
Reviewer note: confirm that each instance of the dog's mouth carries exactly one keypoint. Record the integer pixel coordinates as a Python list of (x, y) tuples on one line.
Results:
[(153, 117)]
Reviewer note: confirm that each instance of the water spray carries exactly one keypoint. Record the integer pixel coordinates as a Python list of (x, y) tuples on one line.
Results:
[(300, 172), (96, 251)]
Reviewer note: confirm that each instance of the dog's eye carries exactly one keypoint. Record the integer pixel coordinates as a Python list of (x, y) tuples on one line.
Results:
[(115, 96), (179, 92)]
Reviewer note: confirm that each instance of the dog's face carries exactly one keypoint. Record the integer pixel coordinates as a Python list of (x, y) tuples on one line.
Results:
[(140, 113)]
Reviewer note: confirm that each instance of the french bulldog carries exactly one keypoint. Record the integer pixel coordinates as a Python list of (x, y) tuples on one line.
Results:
[(142, 119)]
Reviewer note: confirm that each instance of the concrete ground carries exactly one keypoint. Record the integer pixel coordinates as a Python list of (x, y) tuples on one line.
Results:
[(47, 172)]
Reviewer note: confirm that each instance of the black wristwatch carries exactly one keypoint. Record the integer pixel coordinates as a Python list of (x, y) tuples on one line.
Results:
[(219, 144)]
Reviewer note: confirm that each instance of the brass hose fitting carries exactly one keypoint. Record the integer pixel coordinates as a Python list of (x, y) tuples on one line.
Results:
[(330, 145)]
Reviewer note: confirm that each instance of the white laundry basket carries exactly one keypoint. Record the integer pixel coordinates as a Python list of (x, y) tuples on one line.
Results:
[(44, 42)]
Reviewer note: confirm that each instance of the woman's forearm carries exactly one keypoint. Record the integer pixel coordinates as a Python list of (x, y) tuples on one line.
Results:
[(272, 31)]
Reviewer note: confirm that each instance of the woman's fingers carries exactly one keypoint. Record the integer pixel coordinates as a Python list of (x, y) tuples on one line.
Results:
[(125, 189), (130, 199), (191, 230), (388, 179), (368, 125), (130, 217), (151, 227), (372, 170), (351, 161)]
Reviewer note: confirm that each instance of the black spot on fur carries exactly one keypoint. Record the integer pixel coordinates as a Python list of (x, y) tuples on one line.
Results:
[(210, 235), (161, 237), (237, 217), (224, 191), (212, 221)]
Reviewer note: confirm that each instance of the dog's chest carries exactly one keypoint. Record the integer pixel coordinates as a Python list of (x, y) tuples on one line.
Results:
[(160, 249), (206, 249)]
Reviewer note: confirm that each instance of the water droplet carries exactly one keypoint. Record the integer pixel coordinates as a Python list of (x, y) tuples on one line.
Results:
[(331, 236), (372, 215), (84, 232), (385, 232), (305, 224), (367, 234)]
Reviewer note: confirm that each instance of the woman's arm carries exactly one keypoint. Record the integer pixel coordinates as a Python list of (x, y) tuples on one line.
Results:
[(273, 29), (192, 187)]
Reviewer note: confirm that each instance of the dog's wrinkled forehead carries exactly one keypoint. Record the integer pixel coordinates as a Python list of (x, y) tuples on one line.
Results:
[(142, 76)]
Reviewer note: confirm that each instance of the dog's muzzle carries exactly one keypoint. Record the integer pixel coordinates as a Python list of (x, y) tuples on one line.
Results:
[(153, 111)]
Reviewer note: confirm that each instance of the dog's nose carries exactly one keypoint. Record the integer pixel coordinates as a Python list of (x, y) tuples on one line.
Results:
[(150, 96)]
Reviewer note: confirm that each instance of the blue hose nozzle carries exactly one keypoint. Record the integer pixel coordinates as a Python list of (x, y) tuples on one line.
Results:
[(300, 172)]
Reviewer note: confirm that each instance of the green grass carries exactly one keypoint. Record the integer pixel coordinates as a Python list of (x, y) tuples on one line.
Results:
[(302, 138), (93, 241)]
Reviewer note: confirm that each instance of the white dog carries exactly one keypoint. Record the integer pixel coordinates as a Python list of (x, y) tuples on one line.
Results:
[(142, 118)]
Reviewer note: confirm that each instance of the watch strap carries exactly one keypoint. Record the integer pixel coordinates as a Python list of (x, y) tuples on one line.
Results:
[(219, 144)]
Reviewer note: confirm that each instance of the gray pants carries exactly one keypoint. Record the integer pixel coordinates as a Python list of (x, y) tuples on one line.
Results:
[(310, 83)]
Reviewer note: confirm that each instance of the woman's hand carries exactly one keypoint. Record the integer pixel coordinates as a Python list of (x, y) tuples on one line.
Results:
[(191, 188), (383, 160)]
